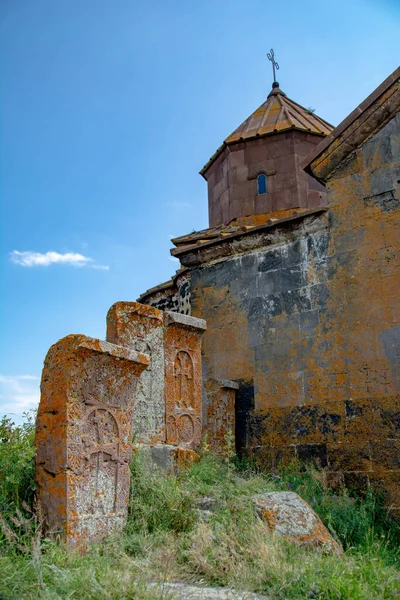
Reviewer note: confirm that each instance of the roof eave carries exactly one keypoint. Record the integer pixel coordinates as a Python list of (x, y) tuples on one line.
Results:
[(355, 129), (181, 252), (162, 287)]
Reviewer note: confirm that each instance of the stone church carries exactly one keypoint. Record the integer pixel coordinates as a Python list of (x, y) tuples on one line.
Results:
[(281, 326), (297, 277)]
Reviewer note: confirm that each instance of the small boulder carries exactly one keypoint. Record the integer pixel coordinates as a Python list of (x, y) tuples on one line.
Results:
[(206, 503), (290, 517), (204, 508)]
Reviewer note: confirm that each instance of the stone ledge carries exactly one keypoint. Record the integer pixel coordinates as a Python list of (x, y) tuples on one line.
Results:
[(172, 318), (226, 383), (113, 350)]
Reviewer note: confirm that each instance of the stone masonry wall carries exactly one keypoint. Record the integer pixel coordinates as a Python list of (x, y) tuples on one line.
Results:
[(309, 327)]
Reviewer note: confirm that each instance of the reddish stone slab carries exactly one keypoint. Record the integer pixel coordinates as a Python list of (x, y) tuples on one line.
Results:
[(183, 377), (83, 437), (221, 395), (141, 328)]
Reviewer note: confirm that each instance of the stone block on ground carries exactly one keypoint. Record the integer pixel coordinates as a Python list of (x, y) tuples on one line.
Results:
[(84, 437), (167, 458), (290, 517)]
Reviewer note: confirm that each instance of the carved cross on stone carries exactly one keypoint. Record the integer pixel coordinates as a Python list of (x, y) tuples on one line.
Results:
[(184, 373)]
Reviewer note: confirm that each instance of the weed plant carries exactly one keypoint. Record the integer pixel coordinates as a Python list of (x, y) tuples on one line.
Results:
[(197, 525)]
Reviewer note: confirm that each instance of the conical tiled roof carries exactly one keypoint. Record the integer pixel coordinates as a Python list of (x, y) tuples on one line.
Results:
[(278, 113)]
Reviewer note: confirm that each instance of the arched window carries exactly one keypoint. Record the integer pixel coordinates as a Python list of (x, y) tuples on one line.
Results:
[(262, 184)]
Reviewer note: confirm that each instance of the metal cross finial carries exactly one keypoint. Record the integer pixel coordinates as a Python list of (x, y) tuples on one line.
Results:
[(271, 57)]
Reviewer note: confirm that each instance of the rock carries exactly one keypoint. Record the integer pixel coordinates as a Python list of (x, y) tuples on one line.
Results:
[(206, 503), (205, 507), (290, 516), (184, 591)]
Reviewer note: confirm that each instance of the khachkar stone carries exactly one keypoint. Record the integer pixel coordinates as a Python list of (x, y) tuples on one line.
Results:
[(140, 327), (220, 413), (183, 379), (84, 437)]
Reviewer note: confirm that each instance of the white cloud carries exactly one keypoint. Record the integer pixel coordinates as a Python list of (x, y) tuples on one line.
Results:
[(173, 259), (38, 259), (18, 394)]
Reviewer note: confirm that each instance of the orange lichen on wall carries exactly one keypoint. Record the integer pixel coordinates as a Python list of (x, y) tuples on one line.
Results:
[(350, 368), (270, 217), (309, 325)]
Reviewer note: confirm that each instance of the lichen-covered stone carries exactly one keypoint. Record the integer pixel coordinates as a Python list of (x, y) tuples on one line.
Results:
[(183, 377), (220, 413), (84, 437), (169, 397), (141, 328), (290, 517)]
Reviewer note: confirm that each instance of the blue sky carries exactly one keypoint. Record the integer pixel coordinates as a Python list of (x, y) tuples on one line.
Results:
[(109, 109)]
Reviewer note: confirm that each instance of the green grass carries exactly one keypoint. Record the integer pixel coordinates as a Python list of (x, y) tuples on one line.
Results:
[(165, 539)]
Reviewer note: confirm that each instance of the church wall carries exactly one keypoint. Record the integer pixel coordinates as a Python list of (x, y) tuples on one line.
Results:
[(232, 178), (175, 297), (310, 328)]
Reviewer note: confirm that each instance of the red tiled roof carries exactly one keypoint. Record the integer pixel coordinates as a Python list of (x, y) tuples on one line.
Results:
[(278, 113)]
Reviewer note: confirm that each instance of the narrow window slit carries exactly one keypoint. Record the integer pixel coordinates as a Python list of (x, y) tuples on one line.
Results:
[(262, 184)]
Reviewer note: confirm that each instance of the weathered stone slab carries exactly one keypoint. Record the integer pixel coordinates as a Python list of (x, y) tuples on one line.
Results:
[(140, 327), (84, 437), (221, 395), (290, 517), (183, 377)]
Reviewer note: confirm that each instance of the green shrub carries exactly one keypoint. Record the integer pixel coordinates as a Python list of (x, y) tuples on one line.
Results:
[(17, 467)]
